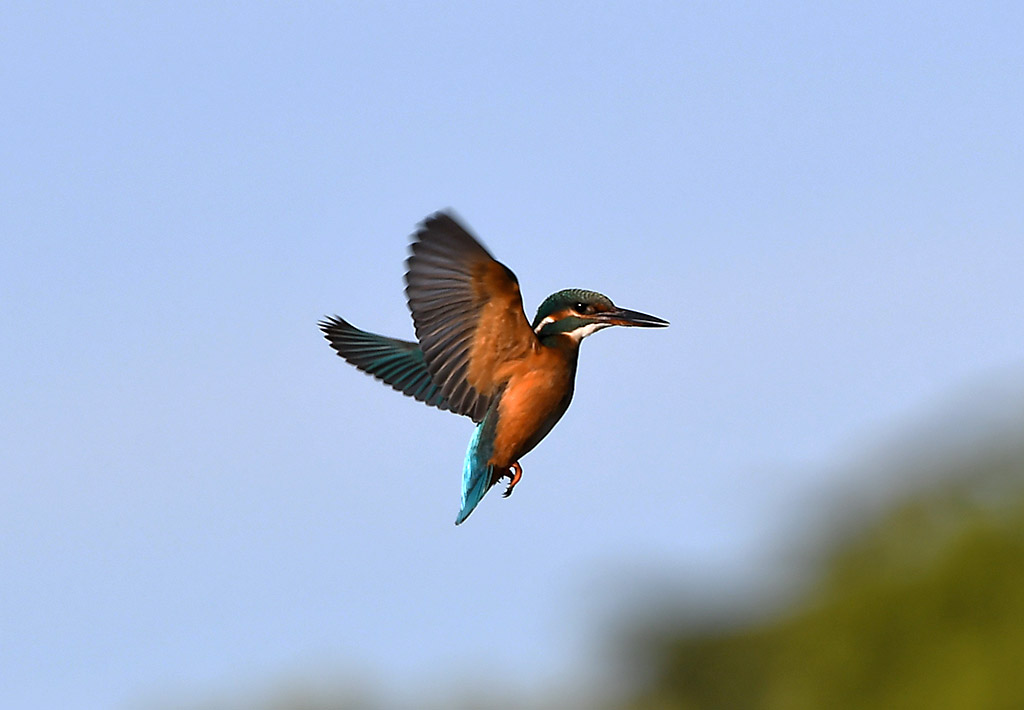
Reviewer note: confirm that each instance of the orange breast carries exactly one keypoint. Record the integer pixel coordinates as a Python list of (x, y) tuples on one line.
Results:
[(534, 399)]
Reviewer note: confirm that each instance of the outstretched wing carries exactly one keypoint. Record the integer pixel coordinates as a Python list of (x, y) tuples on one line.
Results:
[(468, 314), (398, 363)]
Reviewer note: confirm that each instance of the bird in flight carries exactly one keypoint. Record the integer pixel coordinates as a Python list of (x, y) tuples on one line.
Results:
[(476, 353)]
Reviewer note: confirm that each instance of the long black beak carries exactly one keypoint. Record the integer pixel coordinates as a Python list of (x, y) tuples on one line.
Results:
[(624, 316)]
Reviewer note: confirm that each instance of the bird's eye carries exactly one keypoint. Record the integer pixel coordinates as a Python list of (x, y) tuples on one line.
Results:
[(582, 308)]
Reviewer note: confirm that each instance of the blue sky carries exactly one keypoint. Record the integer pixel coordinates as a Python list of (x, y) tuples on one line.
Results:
[(825, 200)]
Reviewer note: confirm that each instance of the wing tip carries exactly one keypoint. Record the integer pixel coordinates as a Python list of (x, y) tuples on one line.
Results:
[(334, 325), (327, 323), (445, 215), (446, 229)]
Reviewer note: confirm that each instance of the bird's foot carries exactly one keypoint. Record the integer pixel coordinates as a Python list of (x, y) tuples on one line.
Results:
[(514, 473)]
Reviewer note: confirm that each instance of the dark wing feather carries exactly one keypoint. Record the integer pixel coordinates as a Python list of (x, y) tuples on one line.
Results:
[(468, 314), (398, 363)]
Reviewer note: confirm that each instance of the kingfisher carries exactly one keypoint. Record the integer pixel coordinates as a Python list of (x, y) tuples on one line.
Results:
[(476, 353)]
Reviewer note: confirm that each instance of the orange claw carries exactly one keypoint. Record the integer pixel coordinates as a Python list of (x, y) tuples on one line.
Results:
[(516, 472)]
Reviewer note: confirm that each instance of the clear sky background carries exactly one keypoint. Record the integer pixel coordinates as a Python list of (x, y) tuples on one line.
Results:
[(826, 201)]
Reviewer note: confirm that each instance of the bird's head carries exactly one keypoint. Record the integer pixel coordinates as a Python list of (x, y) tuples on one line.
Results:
[(576, 313)]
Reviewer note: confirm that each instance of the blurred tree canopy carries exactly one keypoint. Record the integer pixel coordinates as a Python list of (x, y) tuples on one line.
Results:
[(918, 605), (921, 608)]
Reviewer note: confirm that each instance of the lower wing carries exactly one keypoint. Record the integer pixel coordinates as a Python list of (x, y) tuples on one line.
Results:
[(398, 363)]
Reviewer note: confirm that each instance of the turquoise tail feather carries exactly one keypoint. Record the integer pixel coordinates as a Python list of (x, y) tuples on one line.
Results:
[(476, 473)]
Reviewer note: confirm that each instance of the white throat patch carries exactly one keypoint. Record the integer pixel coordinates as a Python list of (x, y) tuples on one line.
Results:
[(585, 330)]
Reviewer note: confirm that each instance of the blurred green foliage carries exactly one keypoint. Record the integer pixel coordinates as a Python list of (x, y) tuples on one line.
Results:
[(916, 603), (922, 608)]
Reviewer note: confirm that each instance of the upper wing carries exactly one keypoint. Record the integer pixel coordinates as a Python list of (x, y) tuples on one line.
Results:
[(398, 363), (468, 314)]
